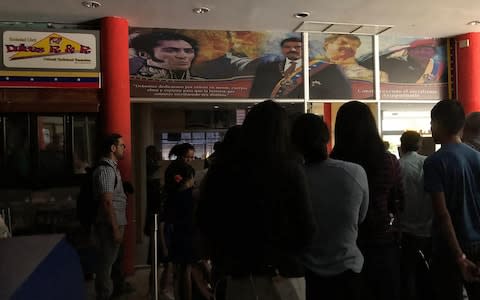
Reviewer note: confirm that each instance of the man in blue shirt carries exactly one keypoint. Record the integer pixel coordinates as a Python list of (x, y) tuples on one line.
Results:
[(452, 177)]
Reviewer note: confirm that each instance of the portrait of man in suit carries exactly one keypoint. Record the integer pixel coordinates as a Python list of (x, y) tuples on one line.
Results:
[(283, 77)]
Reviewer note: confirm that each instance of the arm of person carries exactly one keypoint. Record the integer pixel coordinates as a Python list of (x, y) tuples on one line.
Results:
[(363, 182), (106, 200), (470, 271)]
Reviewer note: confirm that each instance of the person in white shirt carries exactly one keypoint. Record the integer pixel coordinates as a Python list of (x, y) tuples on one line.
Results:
[(339, 196), (415, 222)]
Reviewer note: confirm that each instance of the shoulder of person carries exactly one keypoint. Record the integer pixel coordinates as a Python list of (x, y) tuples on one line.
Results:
[(434, 159), (421, 158), (354, 167), (105, 169), (293, 166), (354, 170)]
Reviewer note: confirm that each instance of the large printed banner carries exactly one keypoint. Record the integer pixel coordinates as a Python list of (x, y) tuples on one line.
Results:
[(342, 53), (49, 59), (416, 68), (167, 63), (410, 68)]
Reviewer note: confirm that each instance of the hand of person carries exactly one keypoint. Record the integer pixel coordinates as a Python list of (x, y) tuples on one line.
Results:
[(117, 235), (470, 271)]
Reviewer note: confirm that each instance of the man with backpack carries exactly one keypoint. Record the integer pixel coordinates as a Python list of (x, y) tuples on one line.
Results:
[(111, 216)]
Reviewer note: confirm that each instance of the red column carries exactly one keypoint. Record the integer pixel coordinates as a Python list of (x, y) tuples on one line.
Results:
[(115, 109), (327, 118), (468, 71)]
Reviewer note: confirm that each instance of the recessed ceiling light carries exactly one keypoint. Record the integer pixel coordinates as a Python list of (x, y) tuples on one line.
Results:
[(474, 23), (302, 14), (216, 107), (91, 4), (201, 10)]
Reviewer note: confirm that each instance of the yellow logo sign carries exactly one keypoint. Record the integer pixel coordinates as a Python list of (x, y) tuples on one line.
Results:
[(54, 44)]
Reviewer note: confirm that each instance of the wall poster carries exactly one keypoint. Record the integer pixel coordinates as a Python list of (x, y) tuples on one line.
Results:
[(169, 63), (416, 68), (342, 56)]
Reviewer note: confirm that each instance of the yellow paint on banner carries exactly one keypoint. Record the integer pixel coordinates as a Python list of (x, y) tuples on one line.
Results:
[(53, 44)]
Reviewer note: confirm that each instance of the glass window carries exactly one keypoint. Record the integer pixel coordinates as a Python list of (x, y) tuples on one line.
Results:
[(203, 142), (186, 136), (51, 146), (399, 117), (17, 149), (45, 150), (84, 128)]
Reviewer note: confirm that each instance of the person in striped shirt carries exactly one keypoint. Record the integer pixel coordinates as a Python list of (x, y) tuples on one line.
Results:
[(111, 219)]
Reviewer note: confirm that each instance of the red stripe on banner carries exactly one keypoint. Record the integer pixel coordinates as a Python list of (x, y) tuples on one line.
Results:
[(50, 84)]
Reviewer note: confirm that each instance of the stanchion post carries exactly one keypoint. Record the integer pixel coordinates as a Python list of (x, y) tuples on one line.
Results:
[(155, 256)]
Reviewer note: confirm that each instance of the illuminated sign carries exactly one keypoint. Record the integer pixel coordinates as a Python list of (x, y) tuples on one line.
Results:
[(49, 50)]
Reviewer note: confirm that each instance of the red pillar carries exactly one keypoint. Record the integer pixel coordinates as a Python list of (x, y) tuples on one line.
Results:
[(327, 118), (115, 109), (468, 71)]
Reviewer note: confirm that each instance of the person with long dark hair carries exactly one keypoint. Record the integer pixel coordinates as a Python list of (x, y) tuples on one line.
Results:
[(339, 195), (357, 140), (255, 211), (179, 213)]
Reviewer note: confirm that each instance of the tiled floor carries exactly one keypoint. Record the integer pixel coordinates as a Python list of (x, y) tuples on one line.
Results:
[(139, 280)]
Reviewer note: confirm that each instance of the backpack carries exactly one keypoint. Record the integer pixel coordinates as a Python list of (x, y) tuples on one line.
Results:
[(87, 203)]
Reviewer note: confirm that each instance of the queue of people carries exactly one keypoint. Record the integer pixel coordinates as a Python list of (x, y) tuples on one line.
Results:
[(277, 217)]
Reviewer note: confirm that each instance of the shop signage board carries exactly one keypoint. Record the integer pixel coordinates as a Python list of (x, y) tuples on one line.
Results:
[(50, 59)]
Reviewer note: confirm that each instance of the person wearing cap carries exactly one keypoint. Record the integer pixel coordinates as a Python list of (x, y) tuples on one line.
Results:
[(413, 63)]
